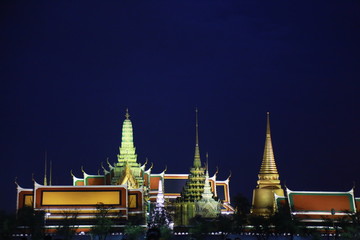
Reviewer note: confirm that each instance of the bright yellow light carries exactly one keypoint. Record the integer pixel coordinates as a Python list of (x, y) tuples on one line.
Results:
[(80, 198), (132, 201), (28, 201)]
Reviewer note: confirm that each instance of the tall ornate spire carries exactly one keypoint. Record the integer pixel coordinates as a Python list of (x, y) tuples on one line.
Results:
[(268, 183), (127, 170), (268, 165), (127, 149), (195, 184), (197, 161)]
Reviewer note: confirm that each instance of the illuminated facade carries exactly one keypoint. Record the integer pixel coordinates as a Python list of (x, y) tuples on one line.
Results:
[(128, 187)]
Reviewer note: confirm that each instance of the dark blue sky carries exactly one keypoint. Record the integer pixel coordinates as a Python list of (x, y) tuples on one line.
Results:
[(69, 70)]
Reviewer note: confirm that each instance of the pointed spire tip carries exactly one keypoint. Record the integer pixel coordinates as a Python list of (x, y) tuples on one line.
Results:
[(127, 115)]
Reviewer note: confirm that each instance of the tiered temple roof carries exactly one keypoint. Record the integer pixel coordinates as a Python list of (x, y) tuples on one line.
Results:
[(194, 186), (318, 206)]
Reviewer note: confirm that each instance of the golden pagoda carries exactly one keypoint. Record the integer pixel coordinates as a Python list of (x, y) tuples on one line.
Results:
[(263, 202)]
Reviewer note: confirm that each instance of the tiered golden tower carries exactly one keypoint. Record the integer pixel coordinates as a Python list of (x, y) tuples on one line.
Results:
[(268, 183)]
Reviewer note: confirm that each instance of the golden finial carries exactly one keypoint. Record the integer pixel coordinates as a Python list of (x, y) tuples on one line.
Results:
[(268, 122), (127, 115)]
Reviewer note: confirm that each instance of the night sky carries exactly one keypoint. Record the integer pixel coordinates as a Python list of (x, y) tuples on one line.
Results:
[(69, 70)]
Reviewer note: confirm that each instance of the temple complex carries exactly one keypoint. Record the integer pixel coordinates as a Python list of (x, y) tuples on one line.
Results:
[(130, 190)]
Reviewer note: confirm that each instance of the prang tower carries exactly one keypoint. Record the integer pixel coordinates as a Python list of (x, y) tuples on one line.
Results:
[(268, 183)]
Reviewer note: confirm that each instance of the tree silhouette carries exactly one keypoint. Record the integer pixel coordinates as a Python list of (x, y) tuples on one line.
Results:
[(261, 226), (242, 210), (284, 222), (133, 232), (68, 225), (32, 220), (103, 222), (350, 226), (200, 227), (7, 225)]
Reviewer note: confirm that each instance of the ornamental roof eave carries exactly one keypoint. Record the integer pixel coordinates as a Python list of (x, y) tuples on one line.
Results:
[(351, 191), (21, 189)]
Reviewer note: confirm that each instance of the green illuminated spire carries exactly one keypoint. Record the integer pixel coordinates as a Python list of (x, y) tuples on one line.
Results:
[(197, 161), (127, 149), (194, 186), (127, 170)]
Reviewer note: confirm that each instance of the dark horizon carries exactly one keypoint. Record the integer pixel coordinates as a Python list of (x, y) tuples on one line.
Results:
[(69, 71)]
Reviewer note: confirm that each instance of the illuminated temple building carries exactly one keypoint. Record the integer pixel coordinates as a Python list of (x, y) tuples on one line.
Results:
[(314, 208), (130, 189)]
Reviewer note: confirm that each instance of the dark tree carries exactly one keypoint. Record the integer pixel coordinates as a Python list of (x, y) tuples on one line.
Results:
[(285, 223), (7, 225), (261, 226), (350, 226), (133, 232), (103, 222), (242, 210), (225, 225), (31, 220), (68, 225), (201, 227)]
